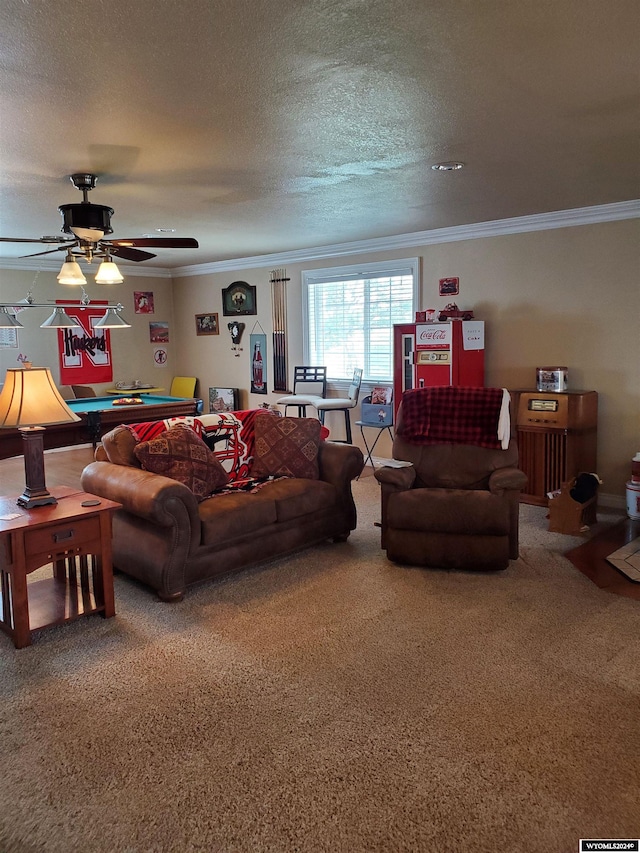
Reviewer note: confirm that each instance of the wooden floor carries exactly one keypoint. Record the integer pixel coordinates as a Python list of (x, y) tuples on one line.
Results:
[(63, 468), (591, 558)]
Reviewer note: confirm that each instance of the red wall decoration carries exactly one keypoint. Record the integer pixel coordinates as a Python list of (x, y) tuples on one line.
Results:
[(85, 352)]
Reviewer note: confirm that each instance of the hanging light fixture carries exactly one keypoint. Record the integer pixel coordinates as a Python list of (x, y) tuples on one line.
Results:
[(59, 320), (108, 272), (111, 320), (9, 320), (71, 272)]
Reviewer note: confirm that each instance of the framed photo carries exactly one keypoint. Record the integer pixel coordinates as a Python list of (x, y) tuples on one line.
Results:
[(159, 332), (207, 324), (449, 286), (239, 298), (143, 301), (223, 399)]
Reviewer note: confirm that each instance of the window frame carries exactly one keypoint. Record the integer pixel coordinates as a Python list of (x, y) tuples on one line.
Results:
[(372, 270)]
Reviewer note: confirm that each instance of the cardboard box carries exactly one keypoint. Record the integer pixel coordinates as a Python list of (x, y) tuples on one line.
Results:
[(377, 415)]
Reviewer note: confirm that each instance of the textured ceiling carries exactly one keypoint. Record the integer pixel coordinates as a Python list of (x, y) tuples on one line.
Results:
[(260, 126)]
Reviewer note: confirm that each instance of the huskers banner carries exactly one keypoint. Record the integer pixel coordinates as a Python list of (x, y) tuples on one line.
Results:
[(84, 351)]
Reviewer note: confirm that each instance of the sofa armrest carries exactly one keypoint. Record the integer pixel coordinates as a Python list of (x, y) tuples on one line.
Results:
[(392, 481), (507, 479), (151, 496), (339, 463), (398, 478)]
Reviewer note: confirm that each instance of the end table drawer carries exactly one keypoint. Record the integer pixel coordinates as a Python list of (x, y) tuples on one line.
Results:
[(63, 536)]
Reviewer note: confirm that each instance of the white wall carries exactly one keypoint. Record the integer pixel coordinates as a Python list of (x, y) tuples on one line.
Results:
[(567, 296)]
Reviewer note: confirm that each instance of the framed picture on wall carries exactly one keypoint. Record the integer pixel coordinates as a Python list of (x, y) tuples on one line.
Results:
[(239, 298), (207, 324), (159, 332), (143, 301), (449, 286), (223, 399)]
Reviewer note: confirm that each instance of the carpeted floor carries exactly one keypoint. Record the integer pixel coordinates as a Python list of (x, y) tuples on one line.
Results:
[(335, 702)]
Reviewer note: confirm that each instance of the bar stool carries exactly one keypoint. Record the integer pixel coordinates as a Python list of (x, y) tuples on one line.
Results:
[(342, 404)]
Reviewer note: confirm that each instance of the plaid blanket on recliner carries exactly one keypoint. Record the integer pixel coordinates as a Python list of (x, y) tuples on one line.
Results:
[(453, 415)]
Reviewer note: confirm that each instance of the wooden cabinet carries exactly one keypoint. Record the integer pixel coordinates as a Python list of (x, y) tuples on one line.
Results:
[(557, 438)]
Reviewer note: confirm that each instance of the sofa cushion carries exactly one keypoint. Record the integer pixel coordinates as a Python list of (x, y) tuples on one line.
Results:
[(286, 447), (466, 512), (295, 498), (235, 514), (119, 445), (180, 454)]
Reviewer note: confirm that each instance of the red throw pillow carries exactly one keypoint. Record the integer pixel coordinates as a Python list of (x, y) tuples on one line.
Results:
[(180, 454), (286, 447)]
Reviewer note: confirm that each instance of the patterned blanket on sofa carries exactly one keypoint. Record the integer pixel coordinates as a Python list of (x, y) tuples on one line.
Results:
[(230, 435)]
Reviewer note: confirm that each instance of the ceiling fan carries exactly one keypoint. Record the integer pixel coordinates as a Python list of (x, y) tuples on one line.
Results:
[(87, 223)]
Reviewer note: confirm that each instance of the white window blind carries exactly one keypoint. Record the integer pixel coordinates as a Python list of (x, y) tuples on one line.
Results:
[(350, 313)]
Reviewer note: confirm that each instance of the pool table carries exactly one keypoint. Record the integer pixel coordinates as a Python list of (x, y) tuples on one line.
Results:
[(97, 416)]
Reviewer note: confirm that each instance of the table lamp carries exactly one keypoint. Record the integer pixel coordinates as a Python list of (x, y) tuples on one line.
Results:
[(30, 401)]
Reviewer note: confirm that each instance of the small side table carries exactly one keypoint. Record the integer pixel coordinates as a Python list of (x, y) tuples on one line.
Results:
[(76, 539), (380, 428)]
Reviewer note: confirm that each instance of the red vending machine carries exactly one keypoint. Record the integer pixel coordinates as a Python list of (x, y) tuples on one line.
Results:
[(450, 352)]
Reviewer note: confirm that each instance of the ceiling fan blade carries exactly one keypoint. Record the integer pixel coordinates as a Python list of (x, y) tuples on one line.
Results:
[(48, 252), (158, 242), (127, 253), (35, 240)]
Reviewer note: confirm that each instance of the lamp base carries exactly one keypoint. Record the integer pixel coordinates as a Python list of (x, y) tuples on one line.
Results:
[(35, 491), (29, 501)]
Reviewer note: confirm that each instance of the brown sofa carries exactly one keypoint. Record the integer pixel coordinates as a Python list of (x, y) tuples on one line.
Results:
[(455, 507), (163, 537)]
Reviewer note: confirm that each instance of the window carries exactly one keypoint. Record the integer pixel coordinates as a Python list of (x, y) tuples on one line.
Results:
[(349, 312)]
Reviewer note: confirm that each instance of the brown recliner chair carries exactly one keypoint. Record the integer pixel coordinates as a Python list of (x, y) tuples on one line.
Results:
[(455, 507)]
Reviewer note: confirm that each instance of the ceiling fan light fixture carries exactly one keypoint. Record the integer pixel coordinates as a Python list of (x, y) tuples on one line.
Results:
[(111, 320), (59, 320), (108, 273), (70, 272), (86, 221)]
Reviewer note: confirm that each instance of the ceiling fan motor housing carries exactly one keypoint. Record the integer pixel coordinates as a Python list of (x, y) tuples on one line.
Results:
[(96, 217)]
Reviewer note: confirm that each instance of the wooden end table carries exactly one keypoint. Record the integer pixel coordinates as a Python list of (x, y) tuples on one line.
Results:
[(76, 540)]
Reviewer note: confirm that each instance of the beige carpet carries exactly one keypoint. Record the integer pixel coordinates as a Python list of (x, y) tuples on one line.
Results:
[(332, 702)]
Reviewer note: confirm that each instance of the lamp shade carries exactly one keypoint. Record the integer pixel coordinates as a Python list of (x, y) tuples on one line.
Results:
[(71, 272), (111, 320), (30, 398), (108, 273), (8, 320), (59, 320)]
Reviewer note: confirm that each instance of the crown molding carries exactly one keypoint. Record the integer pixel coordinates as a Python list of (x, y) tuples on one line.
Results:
[(495, 228), (54, 266)]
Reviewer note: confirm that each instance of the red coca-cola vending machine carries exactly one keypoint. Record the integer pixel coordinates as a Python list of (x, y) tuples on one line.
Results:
[(450, 352)]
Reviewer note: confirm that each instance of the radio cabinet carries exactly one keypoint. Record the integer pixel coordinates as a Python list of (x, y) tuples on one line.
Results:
[(557, 438)]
